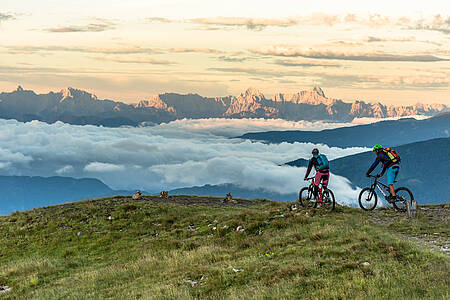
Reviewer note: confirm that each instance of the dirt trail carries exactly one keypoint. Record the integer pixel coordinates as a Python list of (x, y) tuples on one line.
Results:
[(430, 229)]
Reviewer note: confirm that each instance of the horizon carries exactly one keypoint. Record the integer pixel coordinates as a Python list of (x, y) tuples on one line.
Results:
[(397, 53)]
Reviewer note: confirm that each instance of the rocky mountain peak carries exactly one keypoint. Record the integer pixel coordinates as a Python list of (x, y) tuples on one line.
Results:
[(72, 93), (318, 91), (253, 93)]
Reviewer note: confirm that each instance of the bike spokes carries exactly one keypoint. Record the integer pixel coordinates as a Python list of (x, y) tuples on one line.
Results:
[(367, 199), (403, 196)]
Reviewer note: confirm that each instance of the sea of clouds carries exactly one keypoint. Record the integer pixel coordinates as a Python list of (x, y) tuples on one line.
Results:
[(178, 154)]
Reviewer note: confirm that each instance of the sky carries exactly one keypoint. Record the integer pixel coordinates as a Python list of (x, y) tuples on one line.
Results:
[(167, 156), (394, 52)]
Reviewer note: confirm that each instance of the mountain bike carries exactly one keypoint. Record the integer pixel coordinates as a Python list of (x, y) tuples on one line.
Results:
[(368, 197), (325, 198)]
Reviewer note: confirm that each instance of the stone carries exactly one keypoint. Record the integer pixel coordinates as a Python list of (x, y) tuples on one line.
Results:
[(193, 283), (240, 229), (4, 289)]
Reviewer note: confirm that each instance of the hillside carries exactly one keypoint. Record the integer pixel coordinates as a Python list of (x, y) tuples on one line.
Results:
[(197, 247), (79, 107), (424, 169), (26, 192), (392, 133)]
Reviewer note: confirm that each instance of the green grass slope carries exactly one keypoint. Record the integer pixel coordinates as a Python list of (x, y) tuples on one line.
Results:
[(188, 247)]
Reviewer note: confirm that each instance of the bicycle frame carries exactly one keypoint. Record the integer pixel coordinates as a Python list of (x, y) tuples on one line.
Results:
[(377, 184)]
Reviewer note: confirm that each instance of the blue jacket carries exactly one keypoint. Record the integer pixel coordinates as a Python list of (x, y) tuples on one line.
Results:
[(384, 159), (314, 163)]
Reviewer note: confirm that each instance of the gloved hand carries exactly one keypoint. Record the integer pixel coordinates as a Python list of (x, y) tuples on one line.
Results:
[(305, 178)]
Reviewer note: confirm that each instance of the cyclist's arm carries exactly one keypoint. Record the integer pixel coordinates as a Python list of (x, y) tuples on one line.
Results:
[(310, 165), (373, 166), (384, 170)]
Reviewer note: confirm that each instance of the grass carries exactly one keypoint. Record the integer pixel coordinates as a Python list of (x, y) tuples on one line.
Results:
[(117, 248)]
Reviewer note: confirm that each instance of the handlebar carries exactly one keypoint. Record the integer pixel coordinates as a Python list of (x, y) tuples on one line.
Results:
[(375, 176), (309, 178)]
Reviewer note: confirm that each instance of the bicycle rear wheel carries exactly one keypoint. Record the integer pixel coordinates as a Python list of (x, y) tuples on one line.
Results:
[(328, 199), (306, 198), (404, 195), (367, 199)]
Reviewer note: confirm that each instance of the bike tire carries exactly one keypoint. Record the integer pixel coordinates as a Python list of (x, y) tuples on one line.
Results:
[(367, 199), (328, 198), (306, 198), (406, 195)]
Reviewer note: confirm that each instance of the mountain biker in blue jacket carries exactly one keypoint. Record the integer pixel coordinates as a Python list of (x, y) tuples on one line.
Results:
[(389, 165), (322, 170)]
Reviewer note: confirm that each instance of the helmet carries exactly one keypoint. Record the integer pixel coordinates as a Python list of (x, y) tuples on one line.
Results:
[(377, 147), (315, 151)]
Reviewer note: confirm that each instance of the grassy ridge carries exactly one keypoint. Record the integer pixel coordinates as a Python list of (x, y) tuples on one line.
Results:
[(118, 248)]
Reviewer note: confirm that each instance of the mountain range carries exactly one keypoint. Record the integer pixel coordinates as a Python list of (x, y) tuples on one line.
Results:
[(79, 107)]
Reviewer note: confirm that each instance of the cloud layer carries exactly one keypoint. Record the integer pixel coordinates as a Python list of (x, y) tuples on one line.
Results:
[(178, 154), (375, 56)]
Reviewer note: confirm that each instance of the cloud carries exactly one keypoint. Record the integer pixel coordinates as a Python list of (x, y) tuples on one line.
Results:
[(137, 60), (438, 23), (232, 58), (194, 50), (352, 56), (258, 71), (118, 50), (249, 23), (351, 80), (308, 64), (103, 167), (5, 17), (372, 39), (103, 25), (65, 170), (160, 20), (435, 23), (167, 156)]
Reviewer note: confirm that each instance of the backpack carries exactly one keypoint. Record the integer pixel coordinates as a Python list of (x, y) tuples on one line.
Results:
[(395, 158), (323, 162)]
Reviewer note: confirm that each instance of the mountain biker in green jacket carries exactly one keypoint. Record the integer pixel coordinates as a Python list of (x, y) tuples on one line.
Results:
[(390, 164)]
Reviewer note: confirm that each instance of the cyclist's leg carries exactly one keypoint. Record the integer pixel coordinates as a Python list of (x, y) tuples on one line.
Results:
[(325, 179), (391, 175), (317, 178)]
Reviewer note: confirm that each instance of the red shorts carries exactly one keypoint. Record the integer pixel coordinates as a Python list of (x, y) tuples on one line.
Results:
[(323, 175)]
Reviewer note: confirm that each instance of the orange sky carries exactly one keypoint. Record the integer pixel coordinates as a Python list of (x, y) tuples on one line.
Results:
[(127, 50)]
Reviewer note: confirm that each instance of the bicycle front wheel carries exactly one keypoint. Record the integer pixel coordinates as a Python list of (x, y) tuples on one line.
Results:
[(328, 199), (404, 195), (306, 198), (367, 199)]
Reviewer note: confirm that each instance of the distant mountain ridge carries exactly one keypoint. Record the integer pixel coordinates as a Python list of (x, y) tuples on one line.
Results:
[(26, 192), (396, 132), (75, 106)]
